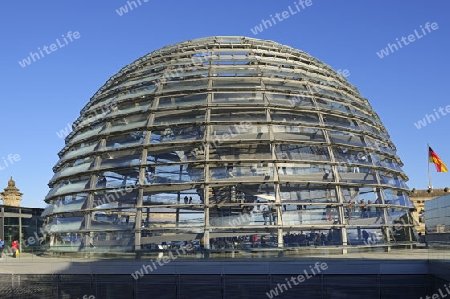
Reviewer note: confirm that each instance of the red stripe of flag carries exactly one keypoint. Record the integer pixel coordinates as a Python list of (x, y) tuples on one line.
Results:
[(440, 166)]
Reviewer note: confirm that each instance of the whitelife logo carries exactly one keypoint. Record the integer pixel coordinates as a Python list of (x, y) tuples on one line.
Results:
[(33, 57), (411, 38), (124, 9), (301, 278), (440, 295), (281, 16), (11, 158), (430, 117)]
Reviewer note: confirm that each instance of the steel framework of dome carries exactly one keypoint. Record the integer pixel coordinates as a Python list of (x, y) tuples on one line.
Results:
[(221, 139)]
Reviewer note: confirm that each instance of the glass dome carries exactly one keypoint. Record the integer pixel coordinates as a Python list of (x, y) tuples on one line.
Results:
[(227, 142)]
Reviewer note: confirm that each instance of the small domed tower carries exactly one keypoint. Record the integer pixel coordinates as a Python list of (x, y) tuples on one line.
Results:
[(11, 196)]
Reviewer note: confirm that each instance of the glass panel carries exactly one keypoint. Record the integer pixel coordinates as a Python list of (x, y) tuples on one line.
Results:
[(88, 133), (363, 206), (123, 140), (137, 93), (136, 83), (164, 239), (234, 197), (294, 118), (379, 145), (69, 186), (384, 134), (400, 225), (11, 233), (119, 198), (396, 214), (257, 152), (235, 71), (127, 123), (162, 135), (366, 236), (363, 113), (323, 237), (239, 170), (334, 120), (191, 71), (61, 224), (237, 98), (302, 152), (232, 171), (276, 71), (79, 150), (178, 117), (122, 158), (11, 221), (301, 195), (68, 240), (333, 106), (119, 178), (437, 215), (189, 133), (372, 129), (308, 193), (291, 100), (311, 214), (384, 161), (392, 180), (229, 217), (131, 107), (29, 211), (238, 115), (26, 222), (266, 212), (242, 131), (185, 85), (92, 115), (111, 241), (177, 152), (284, 85), (105, 104), (237, 83), (369, 213), (11, 210), (63, 205), (177, 174), (182, 101), (297, 133), (352, 156), (113, 220), (346, 138), (398, 198), (187, 212), (178, 133), (357, 175), (78, 166), (184, 198), (305, 172), (172, 217), (184, 72)]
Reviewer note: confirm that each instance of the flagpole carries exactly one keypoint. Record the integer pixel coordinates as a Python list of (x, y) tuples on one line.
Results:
[(428, 162)]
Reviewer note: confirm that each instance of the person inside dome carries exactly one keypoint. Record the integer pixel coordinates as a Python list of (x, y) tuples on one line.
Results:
[(101, 181)]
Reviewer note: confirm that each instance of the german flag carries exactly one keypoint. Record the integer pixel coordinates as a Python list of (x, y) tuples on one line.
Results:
[(440, 166)]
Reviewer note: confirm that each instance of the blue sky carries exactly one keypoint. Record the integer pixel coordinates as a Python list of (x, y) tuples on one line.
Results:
[(44, 97)]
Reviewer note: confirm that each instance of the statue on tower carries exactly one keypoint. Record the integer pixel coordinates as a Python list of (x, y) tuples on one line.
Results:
[(11, 196)]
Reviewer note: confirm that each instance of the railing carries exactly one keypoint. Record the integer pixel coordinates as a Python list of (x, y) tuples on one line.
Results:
[(240, 249)]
